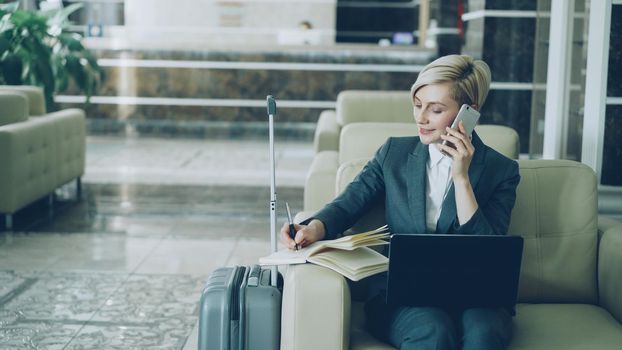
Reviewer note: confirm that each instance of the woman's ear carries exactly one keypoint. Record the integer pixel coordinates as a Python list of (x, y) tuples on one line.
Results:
[(474, 106)]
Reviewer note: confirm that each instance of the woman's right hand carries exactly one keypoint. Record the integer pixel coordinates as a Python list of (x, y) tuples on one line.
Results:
[(305, 234)]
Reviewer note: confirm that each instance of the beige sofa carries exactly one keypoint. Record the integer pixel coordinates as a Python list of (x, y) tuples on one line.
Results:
[(362, 122), (570, 294), (39, 151)]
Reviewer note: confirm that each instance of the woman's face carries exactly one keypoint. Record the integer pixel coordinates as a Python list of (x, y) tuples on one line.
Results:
[(434, 110)]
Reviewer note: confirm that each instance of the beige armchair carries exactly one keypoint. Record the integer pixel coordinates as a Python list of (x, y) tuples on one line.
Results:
[(361, 124), (39, 151), (570, 294)]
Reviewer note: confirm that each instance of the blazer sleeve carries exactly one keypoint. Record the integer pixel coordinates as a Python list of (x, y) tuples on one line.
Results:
[(493, 216), (357, 198)]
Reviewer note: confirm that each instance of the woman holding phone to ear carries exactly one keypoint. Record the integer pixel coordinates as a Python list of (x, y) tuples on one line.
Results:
[(471, 190)]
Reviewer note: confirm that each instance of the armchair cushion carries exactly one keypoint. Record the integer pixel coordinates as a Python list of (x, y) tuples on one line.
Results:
[(14, 107), (362, 140), (359, 338), (564, 326), (354, 106), (501, 138), (535, 326)]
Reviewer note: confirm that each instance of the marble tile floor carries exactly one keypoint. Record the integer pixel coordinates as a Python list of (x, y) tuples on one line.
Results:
[(124, 266)]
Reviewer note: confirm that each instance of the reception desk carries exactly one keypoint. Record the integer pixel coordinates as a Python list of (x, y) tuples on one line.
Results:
[(206, 89)]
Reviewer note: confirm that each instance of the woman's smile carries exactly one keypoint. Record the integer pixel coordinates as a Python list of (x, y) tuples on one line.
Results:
[(423, 131)]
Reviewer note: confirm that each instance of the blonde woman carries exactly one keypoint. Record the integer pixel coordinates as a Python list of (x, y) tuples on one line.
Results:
[(472, 190)]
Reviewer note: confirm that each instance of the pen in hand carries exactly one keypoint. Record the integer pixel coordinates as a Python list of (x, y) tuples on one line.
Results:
[(292, 229)]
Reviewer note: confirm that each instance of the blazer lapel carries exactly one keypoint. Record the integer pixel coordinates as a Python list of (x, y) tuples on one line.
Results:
[(416, 186), (448, 212)]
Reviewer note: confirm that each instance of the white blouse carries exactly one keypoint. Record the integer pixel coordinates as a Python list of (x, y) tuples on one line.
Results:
[(438, 170)]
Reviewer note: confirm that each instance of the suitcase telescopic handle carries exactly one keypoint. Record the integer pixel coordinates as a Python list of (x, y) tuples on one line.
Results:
[(271, 113), (271, 105)]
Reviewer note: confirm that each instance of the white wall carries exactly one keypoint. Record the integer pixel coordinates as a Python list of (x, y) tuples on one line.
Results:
[(227, 21)]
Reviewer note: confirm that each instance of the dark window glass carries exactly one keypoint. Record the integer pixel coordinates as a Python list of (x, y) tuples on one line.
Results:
[(370, 21), (614, 83), (612, 147)]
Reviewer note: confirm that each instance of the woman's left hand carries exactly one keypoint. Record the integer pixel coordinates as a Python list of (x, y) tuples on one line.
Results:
[(462, 154)]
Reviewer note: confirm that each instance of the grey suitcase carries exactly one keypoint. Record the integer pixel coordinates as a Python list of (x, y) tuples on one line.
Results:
[(241, 306), (240, 310)]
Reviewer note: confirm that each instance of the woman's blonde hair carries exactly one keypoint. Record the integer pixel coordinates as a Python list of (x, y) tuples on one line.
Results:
[(471, 78)]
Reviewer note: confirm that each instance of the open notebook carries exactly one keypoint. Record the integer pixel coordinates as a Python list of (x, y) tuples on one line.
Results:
[(348, 255)]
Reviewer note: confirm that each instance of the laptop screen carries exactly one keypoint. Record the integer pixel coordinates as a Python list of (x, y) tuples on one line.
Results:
[(455, 271)]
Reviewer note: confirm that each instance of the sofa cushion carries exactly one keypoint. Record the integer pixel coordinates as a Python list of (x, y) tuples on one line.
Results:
[(14, 107), (564, 326), (501, 138), (556, 213), (34, 94)]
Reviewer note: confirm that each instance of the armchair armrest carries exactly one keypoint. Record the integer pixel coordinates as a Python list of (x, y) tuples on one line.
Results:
[(610, 271), (320, 182), (316, 309), (28, 160), (326, 137)]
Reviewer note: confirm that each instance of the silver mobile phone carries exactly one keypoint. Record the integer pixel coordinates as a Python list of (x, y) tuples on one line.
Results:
[(469, 116)]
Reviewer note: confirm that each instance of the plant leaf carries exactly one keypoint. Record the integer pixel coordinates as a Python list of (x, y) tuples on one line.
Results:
[(10, 7), (5, 23), (57, 19), (60, 15), (5, 45), (31, 52), (29, 21), (71, 41), (12, 67)]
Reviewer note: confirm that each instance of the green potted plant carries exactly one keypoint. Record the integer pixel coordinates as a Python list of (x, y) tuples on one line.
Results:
[(37, 49)]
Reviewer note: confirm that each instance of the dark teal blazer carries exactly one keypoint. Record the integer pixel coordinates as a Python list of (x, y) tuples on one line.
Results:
[(397, 175)]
